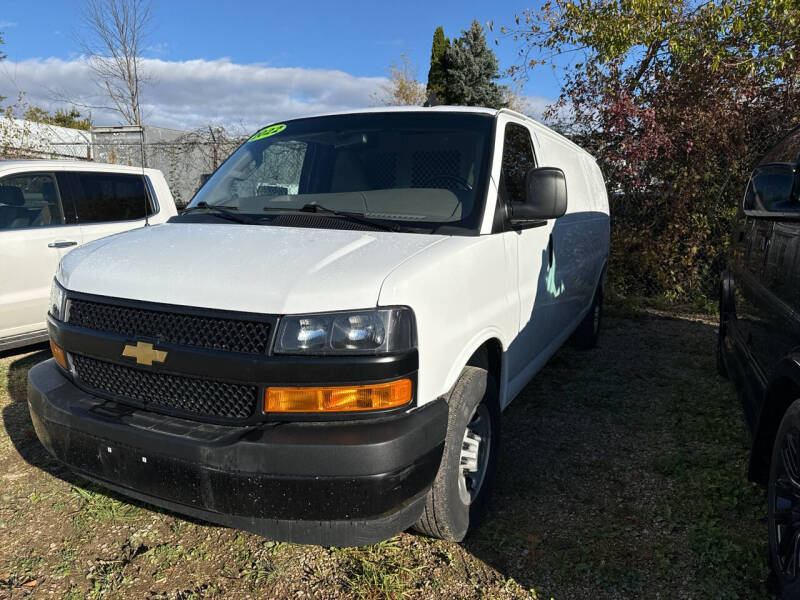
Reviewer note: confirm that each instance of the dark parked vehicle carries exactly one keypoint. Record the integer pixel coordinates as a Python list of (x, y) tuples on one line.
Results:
[(759, 343)]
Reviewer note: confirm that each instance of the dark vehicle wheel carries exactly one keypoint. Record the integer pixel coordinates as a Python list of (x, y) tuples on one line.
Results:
[(587, 333), (783, 505), (459, 497)]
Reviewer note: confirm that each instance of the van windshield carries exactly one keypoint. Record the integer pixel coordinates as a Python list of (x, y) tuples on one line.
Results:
[(415, 171)]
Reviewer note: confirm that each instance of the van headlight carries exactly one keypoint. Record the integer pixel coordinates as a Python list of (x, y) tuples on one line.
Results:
[(371, 331), (58, 297)]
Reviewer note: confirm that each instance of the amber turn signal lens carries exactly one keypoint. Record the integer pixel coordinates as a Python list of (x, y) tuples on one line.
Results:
[(59, 354), (338, 399)]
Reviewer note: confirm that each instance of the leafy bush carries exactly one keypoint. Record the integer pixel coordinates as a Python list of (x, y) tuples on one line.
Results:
[(678, 101)]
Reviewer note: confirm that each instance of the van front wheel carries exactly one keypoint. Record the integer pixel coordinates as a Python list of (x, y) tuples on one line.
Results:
[(458, 499)]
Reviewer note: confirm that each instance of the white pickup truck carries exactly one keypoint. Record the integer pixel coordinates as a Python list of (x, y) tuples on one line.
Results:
[(49, 207), (319, 348)]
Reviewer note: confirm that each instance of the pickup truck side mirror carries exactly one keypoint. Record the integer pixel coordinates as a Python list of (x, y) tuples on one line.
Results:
[(545, 197), (772, 191)]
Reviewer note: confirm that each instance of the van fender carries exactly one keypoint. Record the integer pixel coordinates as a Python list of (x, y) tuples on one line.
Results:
[(466, 353), (602, 276)]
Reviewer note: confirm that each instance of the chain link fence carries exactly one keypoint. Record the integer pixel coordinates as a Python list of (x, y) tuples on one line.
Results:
[(185, 158)]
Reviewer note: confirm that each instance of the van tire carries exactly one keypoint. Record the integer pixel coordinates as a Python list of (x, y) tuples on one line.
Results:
[(587, 333), (472, 401)]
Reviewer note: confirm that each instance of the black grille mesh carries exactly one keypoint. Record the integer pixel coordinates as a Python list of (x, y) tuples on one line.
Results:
[(436, 168), (231, 335), (153, 390)]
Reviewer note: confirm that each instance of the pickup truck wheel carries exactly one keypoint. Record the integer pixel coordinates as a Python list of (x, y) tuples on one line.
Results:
[(585, 336), (783, 504), (459, 496)]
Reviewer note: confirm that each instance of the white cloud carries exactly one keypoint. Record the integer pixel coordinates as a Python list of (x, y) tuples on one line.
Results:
[(191, 94), (7, 24), (195, 93), (534, 106)]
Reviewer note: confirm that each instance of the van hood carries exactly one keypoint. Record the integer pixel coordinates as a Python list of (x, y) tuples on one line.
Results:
[(261, 269)]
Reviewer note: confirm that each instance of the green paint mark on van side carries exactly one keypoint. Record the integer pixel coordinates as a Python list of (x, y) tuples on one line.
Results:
[(552, 288), (267, 131)]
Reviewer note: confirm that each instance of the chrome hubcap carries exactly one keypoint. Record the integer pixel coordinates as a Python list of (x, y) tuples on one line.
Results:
[(474, 456)]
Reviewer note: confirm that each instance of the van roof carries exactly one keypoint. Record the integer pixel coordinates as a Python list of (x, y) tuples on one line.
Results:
[(381, 109), (493, 112)]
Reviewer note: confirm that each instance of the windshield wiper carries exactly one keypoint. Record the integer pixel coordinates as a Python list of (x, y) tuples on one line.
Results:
[(223, 212), (352, 216)]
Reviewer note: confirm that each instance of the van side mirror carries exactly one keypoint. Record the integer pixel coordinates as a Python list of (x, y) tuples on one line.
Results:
[(545, 197)]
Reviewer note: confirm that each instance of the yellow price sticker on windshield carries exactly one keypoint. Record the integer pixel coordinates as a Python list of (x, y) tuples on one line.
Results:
[(267, 131)]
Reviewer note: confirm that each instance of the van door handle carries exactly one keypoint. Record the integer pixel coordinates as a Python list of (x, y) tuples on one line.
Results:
[(550, 251), (61, 244)]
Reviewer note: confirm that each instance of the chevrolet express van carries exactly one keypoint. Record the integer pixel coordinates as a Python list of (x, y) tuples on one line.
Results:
[(318, 349)]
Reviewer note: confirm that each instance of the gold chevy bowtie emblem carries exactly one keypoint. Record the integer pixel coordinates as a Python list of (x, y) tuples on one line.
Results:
[(144, 353)]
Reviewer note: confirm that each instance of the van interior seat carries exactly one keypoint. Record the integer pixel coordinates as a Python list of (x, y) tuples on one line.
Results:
[(348, 173)]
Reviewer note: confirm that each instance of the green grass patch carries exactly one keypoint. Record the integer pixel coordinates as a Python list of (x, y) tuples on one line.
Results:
[(381, 571), (22, 570), (95, 504), (720, 509)]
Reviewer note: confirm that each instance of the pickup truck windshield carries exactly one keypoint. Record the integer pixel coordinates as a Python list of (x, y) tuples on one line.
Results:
[(412, 171)]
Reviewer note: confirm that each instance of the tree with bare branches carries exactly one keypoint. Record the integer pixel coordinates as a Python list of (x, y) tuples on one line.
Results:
[(403, 88), (112, 38)]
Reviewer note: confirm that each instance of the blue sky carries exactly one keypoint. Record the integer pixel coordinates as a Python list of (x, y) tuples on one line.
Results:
[(359, 39)]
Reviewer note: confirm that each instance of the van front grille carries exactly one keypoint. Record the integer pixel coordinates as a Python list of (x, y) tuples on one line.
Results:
[(169, 393), (199, 331)]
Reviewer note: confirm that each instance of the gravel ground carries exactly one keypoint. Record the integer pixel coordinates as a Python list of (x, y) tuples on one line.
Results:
[(623, 476)]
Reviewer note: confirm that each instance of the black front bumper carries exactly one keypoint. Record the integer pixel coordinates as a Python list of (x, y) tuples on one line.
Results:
[(333, 483)]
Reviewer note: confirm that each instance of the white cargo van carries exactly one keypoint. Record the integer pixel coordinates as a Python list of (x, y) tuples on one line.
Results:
[(49, 207), (319, 348)]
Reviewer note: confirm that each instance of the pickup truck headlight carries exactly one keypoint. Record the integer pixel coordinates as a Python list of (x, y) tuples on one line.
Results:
[(58, 298), (372, 331)]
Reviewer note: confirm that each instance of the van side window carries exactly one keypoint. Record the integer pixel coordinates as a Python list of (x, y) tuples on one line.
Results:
[(104, 197), (518, 159), (29, 200)]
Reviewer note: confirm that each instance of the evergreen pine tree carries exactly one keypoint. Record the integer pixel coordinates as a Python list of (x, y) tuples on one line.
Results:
[(470, 70), (436, 74)]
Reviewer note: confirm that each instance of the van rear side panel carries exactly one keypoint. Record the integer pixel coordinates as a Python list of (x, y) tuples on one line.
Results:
[(580, 238)]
